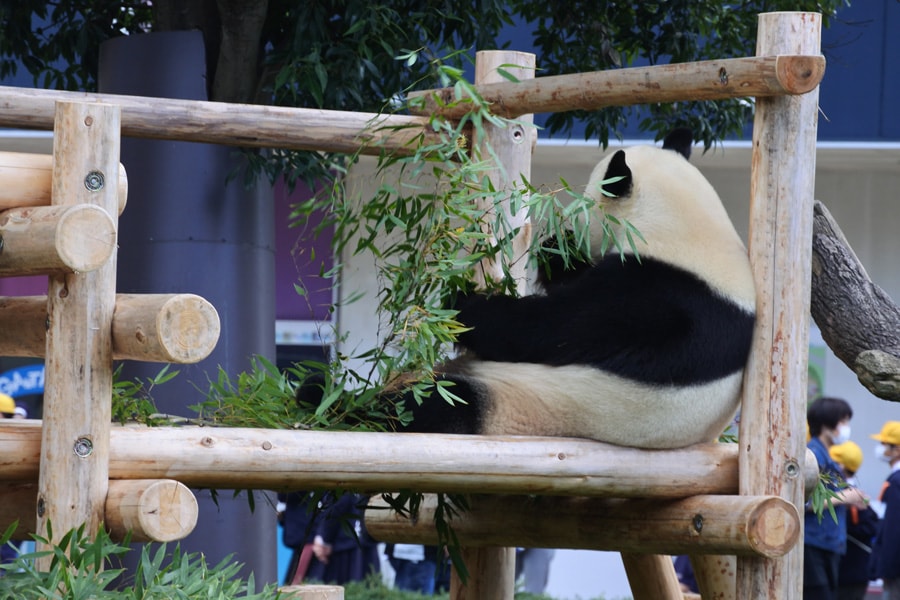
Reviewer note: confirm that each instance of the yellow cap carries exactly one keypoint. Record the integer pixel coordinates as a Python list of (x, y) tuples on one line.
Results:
[(890, 433), (848, 454), (7, 404)]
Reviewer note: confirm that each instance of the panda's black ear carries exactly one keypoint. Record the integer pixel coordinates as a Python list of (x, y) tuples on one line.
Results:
[(680, 140), (618, 169)]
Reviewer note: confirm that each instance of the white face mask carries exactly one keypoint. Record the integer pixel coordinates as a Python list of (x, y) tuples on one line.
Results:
[(842, 435), (880, 450)]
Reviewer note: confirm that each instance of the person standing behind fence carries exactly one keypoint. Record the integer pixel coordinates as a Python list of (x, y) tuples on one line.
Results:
[(862, 524), (344, 549), (825, 537), (886, 550), (298, 520)]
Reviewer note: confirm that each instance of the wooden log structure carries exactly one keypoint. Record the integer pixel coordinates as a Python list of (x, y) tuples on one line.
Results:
[(757, 76), (245, 125), (173, 328), (348, 132), (773, 411), (272, 459), (153, 510), (311, 592), (741, 525), (52, 239), (74, 451), (509, 148), (25, 180)]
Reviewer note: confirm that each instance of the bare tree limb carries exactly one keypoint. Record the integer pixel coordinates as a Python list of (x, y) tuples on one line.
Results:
[(859, 320)]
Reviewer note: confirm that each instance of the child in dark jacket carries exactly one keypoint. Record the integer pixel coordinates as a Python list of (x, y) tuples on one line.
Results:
[(862, 524), (886, 551)]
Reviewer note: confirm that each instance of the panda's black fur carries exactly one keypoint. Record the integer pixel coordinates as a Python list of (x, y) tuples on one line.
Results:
[(647, 353)]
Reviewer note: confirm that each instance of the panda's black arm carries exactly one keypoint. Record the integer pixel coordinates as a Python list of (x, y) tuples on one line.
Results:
[(586, 321), (552, 269)]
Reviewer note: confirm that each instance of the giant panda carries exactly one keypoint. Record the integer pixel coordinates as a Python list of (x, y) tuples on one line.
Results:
[(646, 352)]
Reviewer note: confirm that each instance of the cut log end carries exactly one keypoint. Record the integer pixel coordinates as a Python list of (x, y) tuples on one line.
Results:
[(153, 510), (799, 74)]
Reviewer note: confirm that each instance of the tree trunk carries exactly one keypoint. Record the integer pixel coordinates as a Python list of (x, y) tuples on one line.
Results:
[(859, 320)]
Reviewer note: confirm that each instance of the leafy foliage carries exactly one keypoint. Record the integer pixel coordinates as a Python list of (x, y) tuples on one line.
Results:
[(78, 571), (132, 400)]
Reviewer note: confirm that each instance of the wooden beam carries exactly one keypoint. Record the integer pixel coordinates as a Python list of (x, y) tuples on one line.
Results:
[(50, 239), (25, 180), (238, 458), (312, 592), (651, 577), (152, 510), (740, 525), (74, 460), (759, 76), (773, 413), (507, 148), (173, 328), (245, 125)]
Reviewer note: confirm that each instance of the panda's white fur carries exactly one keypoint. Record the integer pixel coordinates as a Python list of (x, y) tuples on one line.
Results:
[(681, 219)]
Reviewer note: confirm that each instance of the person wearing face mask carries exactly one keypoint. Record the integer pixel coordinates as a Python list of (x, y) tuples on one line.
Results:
[(885, 562), (825, 537)]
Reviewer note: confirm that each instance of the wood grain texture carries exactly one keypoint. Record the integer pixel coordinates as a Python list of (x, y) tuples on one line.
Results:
[(759, 76), (25, 180), (245, 125), (773, 414), (74, 463), (745, 525)]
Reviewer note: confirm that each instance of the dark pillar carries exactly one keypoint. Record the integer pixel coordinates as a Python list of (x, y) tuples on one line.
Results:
[(190, 227)]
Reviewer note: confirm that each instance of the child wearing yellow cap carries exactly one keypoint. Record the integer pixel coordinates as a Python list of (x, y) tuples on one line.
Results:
[(886, 550), (862, 525)]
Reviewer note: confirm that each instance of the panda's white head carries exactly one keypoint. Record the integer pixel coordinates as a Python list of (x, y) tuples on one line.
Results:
[(677, 212)]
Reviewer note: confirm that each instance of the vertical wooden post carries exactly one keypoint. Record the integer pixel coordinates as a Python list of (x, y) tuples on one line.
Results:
[(492, 570), (74, 466), (651, 577), (772, 433), (512, 147)]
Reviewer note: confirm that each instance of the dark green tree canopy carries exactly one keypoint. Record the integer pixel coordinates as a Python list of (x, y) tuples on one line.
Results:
[(341, 54)]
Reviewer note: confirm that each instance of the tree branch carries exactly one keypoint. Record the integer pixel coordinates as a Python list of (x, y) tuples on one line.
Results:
[(859, 320)]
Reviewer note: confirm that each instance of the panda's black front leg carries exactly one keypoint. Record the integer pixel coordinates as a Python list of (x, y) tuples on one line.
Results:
[(501, 328), (553, 270)]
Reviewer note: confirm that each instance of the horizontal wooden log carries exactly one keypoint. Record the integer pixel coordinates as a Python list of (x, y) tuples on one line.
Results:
[(758, 76), (312, 592), (51, 239), (741, 525), (175, 328), (239, 458), (25, 180), (153, 510), (245, 125)]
